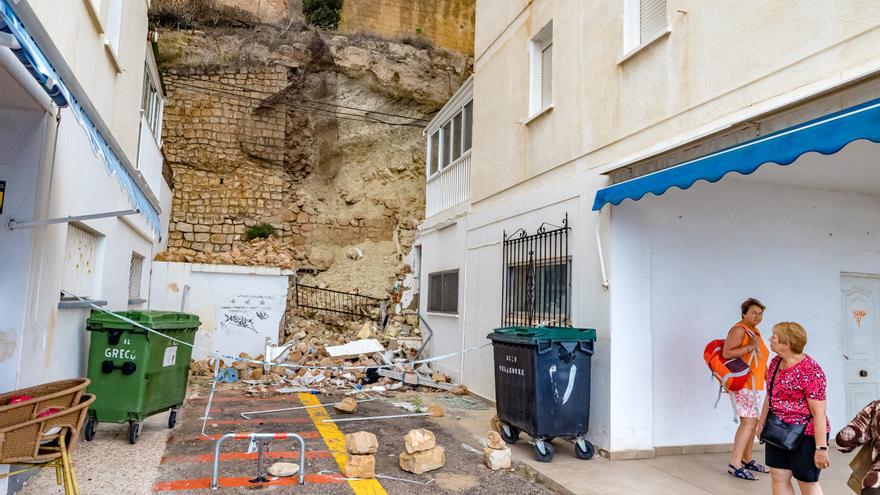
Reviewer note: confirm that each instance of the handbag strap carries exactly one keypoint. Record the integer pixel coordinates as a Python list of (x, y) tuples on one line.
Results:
[(770, 390)]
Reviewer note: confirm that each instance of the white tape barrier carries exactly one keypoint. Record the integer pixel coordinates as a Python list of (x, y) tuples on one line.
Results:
[(217, 354)]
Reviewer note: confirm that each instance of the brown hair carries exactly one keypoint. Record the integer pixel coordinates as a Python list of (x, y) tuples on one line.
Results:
[(791, 333), (748, 303)]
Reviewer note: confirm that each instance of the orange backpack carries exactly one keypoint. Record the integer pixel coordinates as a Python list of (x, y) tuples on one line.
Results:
[(732, 374)]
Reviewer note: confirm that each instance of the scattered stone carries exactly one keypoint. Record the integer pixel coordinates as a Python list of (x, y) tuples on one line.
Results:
[(346, 405), (495, 441), (283, 469), (361, 442), (424, 461), (460, 390), (495, 423), (436, 410), (365, 332), (439, 377), (419, 440), (497, 459), (302, 347), (360, 466)]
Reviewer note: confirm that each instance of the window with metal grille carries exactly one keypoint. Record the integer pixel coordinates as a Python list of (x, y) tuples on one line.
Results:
[(80, 272), (135, 274), (541, 78), (443, 292), (537, 278)]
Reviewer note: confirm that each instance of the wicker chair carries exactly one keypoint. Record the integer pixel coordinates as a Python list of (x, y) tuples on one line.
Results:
[(44, 441)]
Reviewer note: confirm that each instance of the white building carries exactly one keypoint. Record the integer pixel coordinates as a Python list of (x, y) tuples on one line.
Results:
[(580, 110), (80, 134)]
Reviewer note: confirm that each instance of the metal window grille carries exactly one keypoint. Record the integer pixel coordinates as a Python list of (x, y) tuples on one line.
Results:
[(135, 272), (536, 286), (652, 18), (335, 301)]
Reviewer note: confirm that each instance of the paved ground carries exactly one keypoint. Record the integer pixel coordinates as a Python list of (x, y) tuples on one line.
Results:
[(109, 465)]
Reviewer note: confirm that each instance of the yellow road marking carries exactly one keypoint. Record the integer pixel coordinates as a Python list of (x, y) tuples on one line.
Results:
[(335, 441)]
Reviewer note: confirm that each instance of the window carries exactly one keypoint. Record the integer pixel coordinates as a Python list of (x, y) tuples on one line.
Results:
[(541, 80), (114, 25), (81, 260), (452, 141), (443, 292), (135, 275), (544, 287), (152, 104), (644, 21)]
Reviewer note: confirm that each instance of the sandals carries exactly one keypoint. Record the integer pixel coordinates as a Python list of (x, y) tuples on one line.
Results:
[(754, 466), (741, 473)]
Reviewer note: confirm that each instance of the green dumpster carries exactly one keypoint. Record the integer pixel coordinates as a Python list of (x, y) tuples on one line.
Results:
[(136, 373)]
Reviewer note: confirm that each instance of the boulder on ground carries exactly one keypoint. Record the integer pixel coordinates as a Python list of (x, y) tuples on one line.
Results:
[(419, 440), (361, 442), (346, 405), (495, 441), (283, 469), (424, 461), (360, 466), (497, 459)]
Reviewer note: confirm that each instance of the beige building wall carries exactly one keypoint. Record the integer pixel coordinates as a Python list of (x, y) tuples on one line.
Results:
[(720, 61), (113, 83)]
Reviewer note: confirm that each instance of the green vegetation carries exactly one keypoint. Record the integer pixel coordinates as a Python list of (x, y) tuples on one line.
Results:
[(322, 13), (259, 231)]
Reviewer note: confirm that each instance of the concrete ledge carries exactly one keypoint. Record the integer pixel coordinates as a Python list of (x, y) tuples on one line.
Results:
[(76, 303), (628, 455)]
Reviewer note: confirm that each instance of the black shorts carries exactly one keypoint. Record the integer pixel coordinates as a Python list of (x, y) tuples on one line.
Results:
[(800, 461)]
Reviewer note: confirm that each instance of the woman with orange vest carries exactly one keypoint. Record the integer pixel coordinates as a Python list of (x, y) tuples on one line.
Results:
[(744, 341)]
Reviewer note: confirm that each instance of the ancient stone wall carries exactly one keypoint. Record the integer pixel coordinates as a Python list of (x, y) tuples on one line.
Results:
[(446, 23)]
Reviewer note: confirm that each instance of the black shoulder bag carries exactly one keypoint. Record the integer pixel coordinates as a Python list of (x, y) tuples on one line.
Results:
[(778, 433)]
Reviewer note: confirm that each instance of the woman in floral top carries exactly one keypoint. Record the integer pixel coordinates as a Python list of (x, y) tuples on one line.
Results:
[(797, 396)]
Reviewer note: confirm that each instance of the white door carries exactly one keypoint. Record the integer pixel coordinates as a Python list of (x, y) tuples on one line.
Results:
[(859, 300)]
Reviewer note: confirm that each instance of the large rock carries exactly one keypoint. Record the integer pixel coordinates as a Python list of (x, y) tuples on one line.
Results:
[(361, 442), (283, 469), (360, 466), (424, 461), (346, 405), (496, 459), (419, 440), (495, 441)]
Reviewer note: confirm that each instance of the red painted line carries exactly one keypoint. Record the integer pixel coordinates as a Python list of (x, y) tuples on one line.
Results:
[(307, 435), (242, 456), (266, 421), (204, 483)]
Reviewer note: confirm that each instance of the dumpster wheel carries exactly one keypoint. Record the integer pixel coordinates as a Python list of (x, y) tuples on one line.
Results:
[(543, 451), (89, 429), (509, 433), (134, 432), (586, 452), (172, 418)]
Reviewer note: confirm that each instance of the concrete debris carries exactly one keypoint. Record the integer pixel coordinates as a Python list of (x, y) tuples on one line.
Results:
[(365, 332), (497, 459), (360, 466), (283, 469), (419, 440), (267, 251), (361, 442), (494, 441), (347, 405), (439, 377), (424, 461), (366, 346)]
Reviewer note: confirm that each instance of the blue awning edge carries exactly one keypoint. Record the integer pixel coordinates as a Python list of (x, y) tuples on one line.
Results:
[(38, 65), (826, 135)]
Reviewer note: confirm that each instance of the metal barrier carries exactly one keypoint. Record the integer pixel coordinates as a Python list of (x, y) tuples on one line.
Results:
[(258, 436), (336, 301)]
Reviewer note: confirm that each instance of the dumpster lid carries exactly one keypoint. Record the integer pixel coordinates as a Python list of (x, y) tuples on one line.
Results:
[(544, 333), (157, 320)]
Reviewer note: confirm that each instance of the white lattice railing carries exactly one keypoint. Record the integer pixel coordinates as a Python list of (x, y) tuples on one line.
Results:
[(449, 187)]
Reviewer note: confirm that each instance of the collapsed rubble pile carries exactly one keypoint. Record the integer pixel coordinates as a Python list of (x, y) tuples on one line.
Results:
[(267, 251)]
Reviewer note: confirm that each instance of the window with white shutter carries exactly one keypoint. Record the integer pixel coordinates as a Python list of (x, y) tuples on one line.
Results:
[(80, 273), (135, 275), (644, 21), (541, 78)]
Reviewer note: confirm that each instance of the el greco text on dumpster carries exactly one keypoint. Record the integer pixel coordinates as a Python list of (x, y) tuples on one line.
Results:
[(511, 370)]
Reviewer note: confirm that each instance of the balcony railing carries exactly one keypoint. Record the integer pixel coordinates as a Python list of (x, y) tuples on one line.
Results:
[(449, 187)]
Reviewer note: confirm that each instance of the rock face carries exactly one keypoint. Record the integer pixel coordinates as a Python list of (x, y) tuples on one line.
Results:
[(360, 466), (361, 442), (346, 405), (424, 461), (419, 440), (283, 469), (495, 441), (497, 459)]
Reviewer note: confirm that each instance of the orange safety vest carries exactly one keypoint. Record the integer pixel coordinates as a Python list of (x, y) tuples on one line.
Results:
[(757, 361)]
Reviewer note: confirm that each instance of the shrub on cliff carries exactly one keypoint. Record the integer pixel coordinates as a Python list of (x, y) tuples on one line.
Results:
[(322, 13), (260, 230)]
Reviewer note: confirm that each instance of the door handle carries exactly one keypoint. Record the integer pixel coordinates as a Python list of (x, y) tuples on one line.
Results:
[(863, 373)]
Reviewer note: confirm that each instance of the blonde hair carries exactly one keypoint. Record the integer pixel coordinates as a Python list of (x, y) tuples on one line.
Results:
[(791, 333)]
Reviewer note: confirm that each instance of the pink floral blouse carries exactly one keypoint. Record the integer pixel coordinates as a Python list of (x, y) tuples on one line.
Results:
[(792, 387)]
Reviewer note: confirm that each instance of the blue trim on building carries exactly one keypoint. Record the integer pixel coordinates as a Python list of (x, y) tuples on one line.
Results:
[(826, 135), (39, 67)]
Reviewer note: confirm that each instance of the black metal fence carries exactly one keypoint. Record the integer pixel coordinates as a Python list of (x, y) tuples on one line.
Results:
[(335, 301), (536, 285)]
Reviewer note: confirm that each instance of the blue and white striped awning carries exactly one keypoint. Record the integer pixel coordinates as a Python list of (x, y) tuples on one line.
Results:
[(38, 65), (826, 135)]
